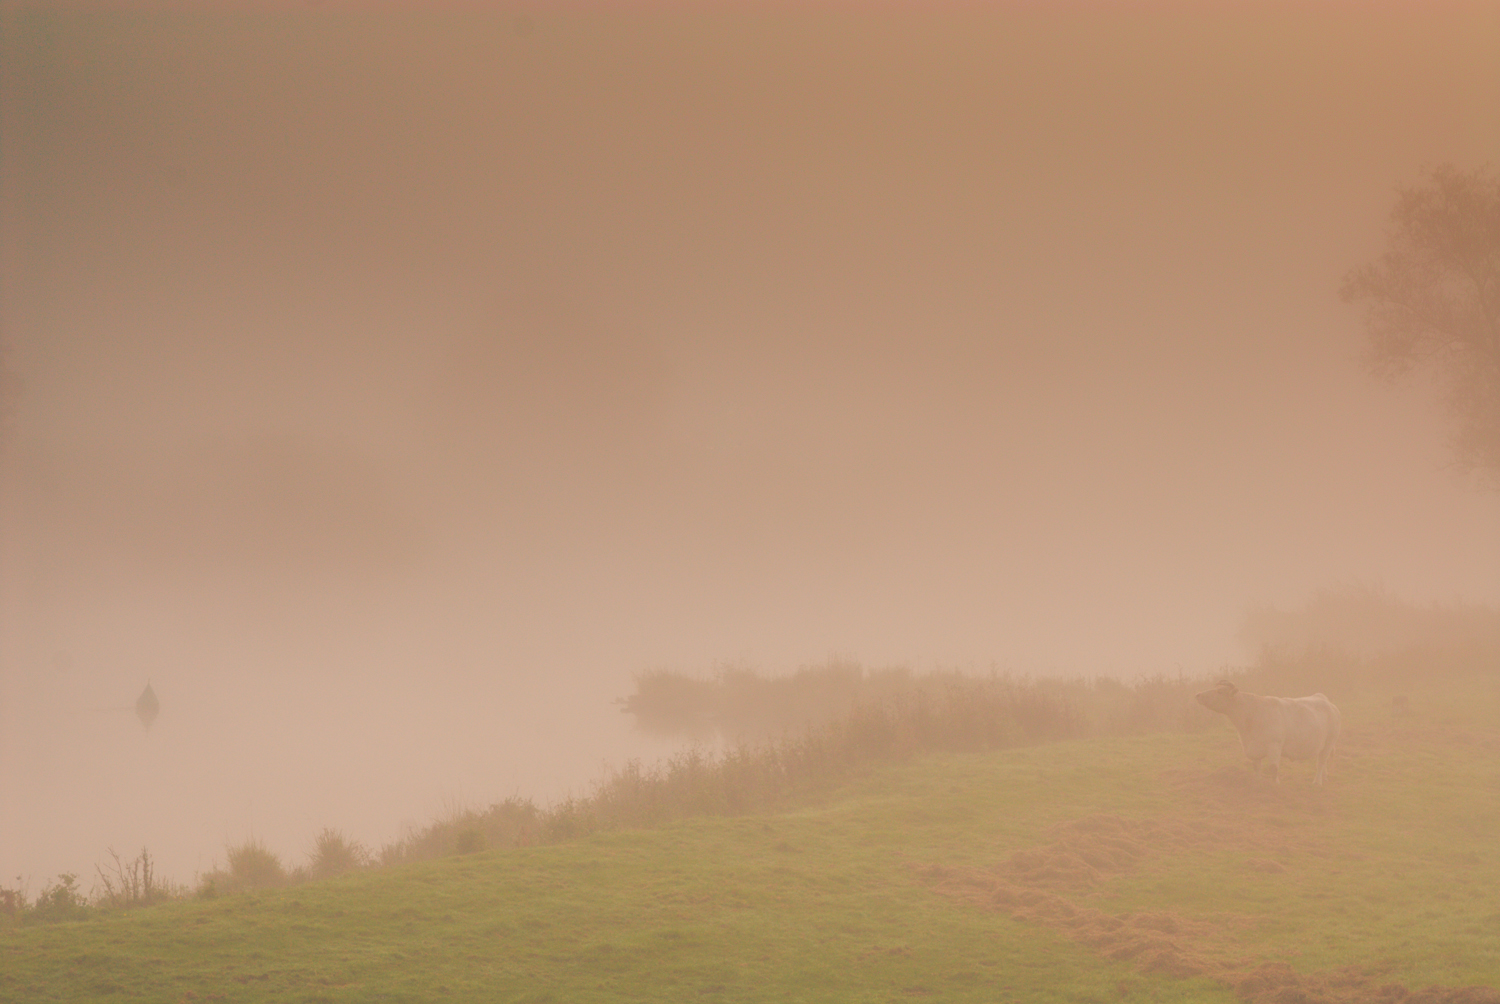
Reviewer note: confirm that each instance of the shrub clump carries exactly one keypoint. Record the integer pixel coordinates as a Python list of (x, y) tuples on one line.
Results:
[(61, 900), (335, 854), (252, 865), (132, 883), (515, 822)]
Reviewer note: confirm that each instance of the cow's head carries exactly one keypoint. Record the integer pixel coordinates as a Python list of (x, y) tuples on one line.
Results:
[(1219, 699)]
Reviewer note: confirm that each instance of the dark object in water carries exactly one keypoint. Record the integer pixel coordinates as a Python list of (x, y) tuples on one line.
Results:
[(147, 707)]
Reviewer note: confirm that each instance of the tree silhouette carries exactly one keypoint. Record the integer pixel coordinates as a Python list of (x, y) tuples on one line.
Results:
[(1433, 300)]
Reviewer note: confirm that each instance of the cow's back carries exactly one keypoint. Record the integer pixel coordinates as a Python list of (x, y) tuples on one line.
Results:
[(1312, 723)]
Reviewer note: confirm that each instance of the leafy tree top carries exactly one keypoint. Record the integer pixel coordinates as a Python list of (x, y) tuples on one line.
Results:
[(1433, 300)]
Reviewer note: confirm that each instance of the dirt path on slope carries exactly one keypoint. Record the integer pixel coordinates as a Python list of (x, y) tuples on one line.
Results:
[(1052, 883)]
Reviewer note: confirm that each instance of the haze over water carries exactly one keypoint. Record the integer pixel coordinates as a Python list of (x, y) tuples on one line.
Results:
[(396, 384)]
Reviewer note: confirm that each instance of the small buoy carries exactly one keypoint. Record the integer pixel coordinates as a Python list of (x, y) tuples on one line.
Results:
[(146, 706)]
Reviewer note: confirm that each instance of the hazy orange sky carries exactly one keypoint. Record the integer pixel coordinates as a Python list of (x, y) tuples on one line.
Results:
[(398, 383)]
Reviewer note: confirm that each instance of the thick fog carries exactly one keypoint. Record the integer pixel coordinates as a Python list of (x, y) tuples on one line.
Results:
[(393, 385)]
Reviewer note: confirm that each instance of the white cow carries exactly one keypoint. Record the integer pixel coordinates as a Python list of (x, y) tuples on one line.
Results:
[(1298, 728)]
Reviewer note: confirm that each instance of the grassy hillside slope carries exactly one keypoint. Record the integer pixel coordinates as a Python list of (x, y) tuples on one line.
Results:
[(1143, 868)]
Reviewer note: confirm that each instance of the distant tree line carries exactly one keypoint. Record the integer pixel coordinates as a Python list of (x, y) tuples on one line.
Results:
[(1367, 621)]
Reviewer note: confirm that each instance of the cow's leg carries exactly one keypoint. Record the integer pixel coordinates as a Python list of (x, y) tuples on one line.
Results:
[(1273, 754), (1323, 757)]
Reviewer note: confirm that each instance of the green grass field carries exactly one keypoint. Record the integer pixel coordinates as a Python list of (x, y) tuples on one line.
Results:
[(1151, 868)]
